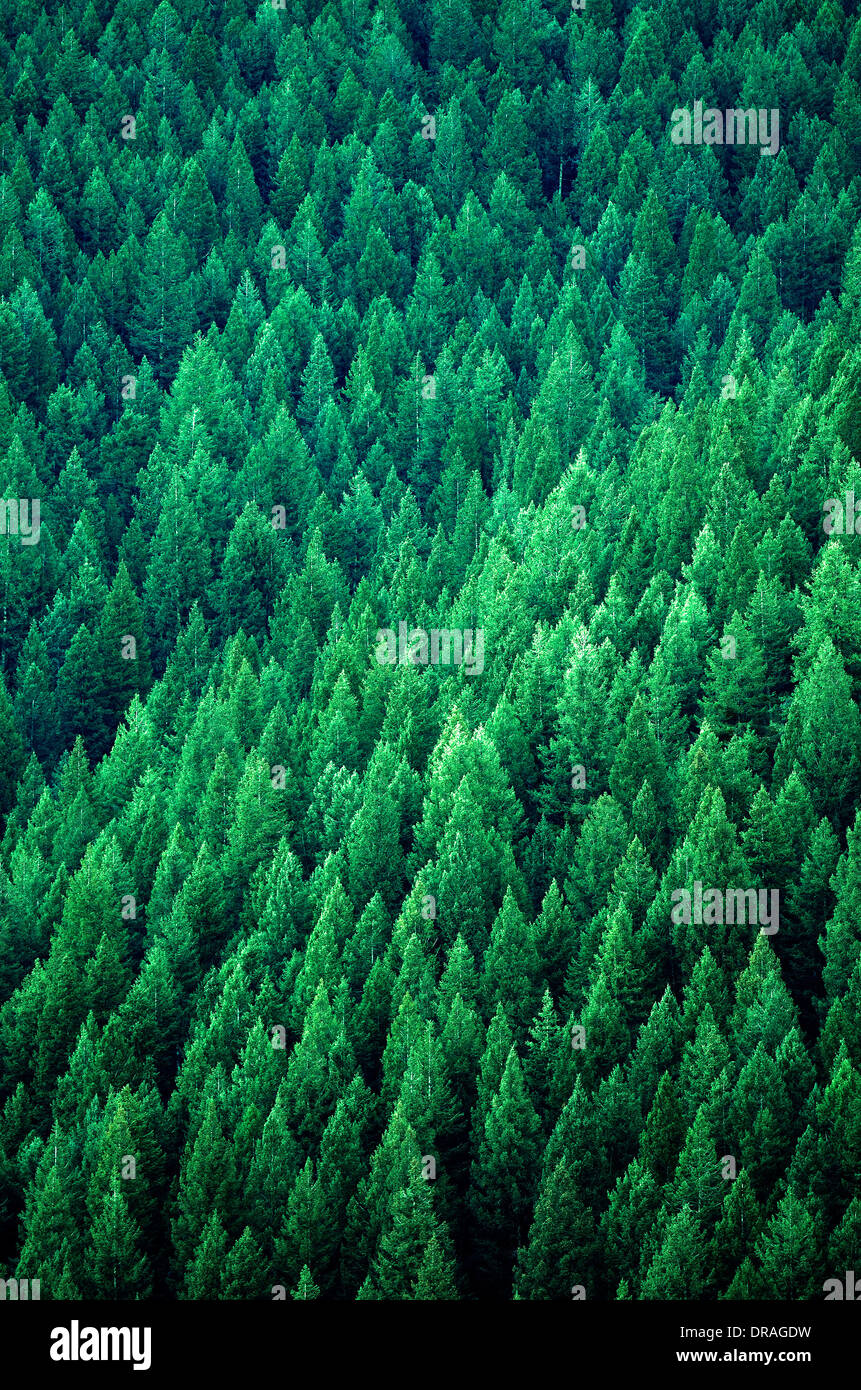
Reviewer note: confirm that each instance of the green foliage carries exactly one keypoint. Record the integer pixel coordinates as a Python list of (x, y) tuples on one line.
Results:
[(334, 956)]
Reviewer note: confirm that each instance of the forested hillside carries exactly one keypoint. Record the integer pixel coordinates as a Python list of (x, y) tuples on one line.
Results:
[(430, 603)]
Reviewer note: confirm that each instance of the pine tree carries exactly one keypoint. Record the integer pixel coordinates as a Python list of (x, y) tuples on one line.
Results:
[(503, 1177), (679, 1269), (163, 316), (117, 1270), (788, 1251), (562, 1246)]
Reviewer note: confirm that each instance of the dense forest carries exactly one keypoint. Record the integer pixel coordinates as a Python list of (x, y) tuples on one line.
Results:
[(430, 637)]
